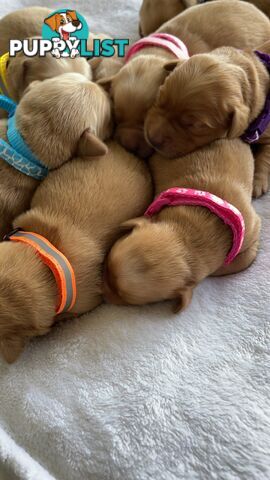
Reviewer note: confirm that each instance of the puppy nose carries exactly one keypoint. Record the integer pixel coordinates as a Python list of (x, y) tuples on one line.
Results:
[(155, 135), (75, 23)]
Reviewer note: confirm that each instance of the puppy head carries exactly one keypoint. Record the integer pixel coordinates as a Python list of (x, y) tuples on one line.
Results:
[(154, 13), (64, 117), (22, 70), (148, 265), (203, 99), (133, 91), (24, 311)]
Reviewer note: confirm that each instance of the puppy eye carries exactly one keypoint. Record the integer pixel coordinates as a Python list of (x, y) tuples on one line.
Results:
[(62, 21), (69, 19)]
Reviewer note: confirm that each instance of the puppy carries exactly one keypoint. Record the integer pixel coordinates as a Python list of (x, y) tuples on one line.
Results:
[(154, 13), (57, 118), (22, 70), (166, 256), (135, 87), (78, 208), (212, 96), (21, 24)]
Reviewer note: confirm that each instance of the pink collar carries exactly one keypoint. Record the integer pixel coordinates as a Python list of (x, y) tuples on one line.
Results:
[(187, 196), (162, 40)]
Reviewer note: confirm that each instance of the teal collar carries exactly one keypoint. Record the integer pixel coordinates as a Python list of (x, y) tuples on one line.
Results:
[(17, 153)]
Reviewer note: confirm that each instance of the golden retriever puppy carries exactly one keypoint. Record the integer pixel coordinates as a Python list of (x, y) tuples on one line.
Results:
[(21, 24), (22, 70), (154, 13), (212, 96), (57, 119), (78, 208), (134, 88), (166, 255)]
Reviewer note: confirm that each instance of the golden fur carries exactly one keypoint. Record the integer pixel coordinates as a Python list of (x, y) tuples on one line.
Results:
[(135, 86), (21, 24), (154, 13), (52, 121), (103, 67), (78, 208), (22, 70), (166, 256), (211, 96)]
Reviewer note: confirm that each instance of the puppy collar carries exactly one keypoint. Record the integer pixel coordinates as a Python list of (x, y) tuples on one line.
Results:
[(260, 124), (17, 153), (162, 40), (3, 75), (57, 262), (187, 196)]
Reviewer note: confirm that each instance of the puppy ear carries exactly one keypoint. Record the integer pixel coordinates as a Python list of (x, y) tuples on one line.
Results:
[(106, 83), (89, 145), (133, 223), (51, 22), (11, 347), (170, 66), (17, 73), (184, 297), (239, 121)]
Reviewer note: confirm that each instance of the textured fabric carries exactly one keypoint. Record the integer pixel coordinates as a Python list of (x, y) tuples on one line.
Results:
[(128, 393), (261, 123), (161, 40), (230, 215)]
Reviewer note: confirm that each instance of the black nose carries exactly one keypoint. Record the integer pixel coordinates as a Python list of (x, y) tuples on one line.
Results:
[(75, 23)]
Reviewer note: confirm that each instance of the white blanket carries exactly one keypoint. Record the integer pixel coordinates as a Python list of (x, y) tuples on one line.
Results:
[(138, 393)]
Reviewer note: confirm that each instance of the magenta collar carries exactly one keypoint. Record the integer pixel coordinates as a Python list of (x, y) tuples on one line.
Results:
[(187, 196), (162, 40)]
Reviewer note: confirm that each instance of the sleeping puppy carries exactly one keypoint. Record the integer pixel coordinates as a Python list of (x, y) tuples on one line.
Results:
[(57, 118), (154, 13), (22, 70), (78, 208), (135, 87), (166, 256), (21, 24), (211, 96)]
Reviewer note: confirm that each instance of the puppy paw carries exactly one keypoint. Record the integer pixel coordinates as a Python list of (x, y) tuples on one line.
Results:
[(260, 184)]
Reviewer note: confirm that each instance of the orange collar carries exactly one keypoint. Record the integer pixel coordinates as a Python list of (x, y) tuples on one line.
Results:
[(56, 261)]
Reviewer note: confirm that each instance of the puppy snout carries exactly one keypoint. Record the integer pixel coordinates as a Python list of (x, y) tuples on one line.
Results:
[(133, 140), (76, 23), (155, 135)]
